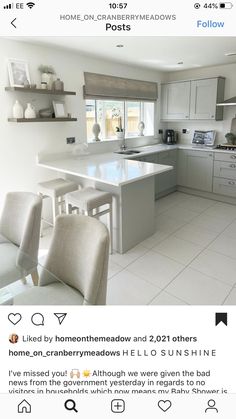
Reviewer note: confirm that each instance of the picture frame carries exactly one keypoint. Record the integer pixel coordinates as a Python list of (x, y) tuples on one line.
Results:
[(59, 109), (18, 71)]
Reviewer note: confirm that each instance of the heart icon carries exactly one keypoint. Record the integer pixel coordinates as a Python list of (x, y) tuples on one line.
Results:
[(14, 318), (164, 405)]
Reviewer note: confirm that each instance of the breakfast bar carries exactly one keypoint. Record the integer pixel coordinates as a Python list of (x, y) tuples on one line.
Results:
[(130, 182)]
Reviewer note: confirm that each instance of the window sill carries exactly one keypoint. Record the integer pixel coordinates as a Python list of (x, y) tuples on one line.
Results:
[(112, 140)]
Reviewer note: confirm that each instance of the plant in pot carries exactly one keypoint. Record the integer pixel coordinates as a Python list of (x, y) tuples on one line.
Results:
[(119, 129), (230, 138), (47, 73)]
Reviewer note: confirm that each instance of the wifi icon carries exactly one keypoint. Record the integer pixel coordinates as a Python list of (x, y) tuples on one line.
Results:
[(30, 4)]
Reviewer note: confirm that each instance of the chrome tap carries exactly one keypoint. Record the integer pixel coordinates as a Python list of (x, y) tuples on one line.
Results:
[(123, 145)]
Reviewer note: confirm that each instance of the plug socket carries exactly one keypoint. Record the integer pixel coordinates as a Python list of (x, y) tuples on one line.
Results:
[(70, 140)]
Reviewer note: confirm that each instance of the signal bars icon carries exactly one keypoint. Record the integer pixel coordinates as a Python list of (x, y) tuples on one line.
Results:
[(30, 4), (9, 6)]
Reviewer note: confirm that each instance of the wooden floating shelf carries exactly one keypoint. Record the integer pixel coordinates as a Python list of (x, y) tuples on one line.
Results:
[(42, 119), (41, 91)]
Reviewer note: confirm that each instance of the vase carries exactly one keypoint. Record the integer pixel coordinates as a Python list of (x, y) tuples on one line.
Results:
[(58, 85), (96, 131), (18, 111), (30, 112), (47, 78)]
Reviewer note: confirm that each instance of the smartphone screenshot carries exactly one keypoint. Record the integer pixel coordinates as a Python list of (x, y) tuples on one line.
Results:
[(118, 209)]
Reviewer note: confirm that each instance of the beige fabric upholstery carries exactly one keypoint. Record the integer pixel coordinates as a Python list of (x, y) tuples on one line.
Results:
[(88, 199), (19, 236), (78, 256), (56, 187), (56, 293), (9, 271)]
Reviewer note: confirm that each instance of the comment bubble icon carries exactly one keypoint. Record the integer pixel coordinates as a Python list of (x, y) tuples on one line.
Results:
[(37, 319)]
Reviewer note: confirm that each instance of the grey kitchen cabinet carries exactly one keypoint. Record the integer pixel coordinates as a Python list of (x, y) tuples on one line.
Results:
[(175, 100), (224, 181), (194, 99), (166, 182), (195, 169), (204, 96), (182, 167)]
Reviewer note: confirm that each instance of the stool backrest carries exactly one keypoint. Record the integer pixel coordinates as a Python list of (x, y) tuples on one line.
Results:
[(20, 224), (78, 256)]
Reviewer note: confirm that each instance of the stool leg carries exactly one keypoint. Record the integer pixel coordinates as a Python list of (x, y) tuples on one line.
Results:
[(41, 225), (60, 204), (54, 209), (35, 277), (68, 208), (111, 229)]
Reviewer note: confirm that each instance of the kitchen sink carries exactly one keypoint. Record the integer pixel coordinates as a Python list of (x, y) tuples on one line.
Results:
[(127, 152)]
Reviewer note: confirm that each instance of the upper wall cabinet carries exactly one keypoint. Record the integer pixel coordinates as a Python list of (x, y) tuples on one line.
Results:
[(175, 100), (195, 99), (205, 94)]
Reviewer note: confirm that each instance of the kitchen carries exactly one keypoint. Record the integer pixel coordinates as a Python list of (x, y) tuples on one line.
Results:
[(189, 257)]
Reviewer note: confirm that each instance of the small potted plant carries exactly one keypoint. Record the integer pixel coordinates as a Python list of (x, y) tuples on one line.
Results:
[(47, 73), (230, 137), (119, 129)]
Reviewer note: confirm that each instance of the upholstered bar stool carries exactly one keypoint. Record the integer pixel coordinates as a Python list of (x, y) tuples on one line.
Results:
[(56, 189), (87, 201)]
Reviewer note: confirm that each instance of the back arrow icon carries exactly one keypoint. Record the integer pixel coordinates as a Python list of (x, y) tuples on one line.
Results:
[(12, 22)]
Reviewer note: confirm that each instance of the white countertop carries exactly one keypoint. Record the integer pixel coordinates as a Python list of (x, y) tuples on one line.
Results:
[(112, 169)]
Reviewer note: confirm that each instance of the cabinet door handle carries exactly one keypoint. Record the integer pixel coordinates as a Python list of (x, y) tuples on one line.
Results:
[(232, 165), (233, 156), (213, 116), (231, 182)]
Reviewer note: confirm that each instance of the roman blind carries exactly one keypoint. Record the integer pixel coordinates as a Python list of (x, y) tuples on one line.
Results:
[(101, 86)]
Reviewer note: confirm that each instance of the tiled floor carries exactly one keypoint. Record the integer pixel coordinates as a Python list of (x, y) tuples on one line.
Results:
[(191, 258)]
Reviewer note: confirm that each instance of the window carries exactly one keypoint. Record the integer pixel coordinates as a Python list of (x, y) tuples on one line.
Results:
[(111, 114), (90, 117)]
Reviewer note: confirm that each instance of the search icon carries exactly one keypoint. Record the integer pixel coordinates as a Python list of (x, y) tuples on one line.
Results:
[(70, 405)]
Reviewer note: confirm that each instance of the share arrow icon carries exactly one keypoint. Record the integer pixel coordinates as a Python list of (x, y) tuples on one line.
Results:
[(60, 316)]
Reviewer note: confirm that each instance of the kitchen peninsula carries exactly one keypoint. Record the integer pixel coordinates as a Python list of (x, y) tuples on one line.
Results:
[(130, 182)]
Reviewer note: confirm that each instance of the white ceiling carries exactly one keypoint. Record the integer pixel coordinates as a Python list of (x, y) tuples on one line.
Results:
[(160, 53)]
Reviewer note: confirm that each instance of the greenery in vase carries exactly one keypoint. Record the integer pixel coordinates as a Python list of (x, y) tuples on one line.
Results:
[(48, 69)]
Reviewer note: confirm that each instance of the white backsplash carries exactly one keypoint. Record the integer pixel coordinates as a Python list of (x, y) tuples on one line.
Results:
[(221, 127), (112, 145)]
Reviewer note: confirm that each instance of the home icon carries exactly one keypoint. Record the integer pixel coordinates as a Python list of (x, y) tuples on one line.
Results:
[(24, 407)]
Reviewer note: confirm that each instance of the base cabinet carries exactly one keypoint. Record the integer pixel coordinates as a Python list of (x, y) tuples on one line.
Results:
[(195, 169), (166, 182), (224, 181)]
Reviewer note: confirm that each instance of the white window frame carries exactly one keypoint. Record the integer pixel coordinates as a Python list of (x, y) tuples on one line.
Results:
[(141, 113)]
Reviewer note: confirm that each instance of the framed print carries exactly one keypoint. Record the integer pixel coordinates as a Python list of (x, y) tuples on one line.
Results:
[(18, 71), (59, 109)]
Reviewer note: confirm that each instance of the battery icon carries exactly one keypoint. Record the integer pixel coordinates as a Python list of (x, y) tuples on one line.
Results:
[(226, 5)]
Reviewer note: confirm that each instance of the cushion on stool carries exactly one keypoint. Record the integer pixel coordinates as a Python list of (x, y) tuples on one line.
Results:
[(56, 187), (88, 198)]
